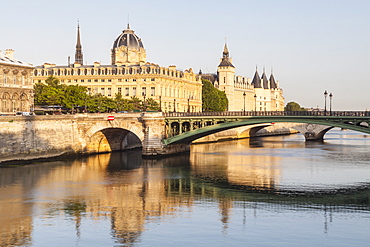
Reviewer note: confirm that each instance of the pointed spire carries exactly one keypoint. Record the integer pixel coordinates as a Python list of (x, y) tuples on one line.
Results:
[(226, 51), (265, 80), (225, 61), (78, 54), (273, 83), (256, 82)]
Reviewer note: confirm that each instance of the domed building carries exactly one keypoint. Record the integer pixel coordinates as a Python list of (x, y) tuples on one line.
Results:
[(128, 49), (130, 75)]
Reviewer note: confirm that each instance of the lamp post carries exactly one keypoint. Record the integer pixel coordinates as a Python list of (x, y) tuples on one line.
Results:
[(325, 95), (144, 107), (330, 97), (160, 103), (244, 102), (189, 104), (174, 105), (255, 102)]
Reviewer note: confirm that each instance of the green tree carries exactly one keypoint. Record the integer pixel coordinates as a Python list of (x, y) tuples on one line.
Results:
[(74, 95), (135, 103), (152, 105), (212, 98), (293, 106), (49, 93)]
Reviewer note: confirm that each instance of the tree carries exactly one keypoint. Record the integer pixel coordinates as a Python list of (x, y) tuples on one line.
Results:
[(293, 106), (212, 98), (152, 105), (48, 93)]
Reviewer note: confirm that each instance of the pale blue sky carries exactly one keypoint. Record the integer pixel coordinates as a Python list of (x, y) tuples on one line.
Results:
[(312, 45)]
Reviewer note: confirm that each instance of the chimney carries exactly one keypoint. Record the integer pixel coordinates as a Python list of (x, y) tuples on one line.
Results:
[(9, 53)]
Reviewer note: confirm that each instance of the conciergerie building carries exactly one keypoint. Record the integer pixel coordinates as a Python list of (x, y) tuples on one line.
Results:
[(129, 74), (261, 93)]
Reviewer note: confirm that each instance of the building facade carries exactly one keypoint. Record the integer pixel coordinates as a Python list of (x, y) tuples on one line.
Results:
[(245, 94), (16, 87), (130, 75)]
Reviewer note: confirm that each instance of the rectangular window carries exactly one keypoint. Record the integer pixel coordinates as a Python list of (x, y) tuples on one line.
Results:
[(119, 90), (133, 79), (75, 80), (102, 91), (126, 79), (96, 80), (119, 80), (109, 80), (152, 79), (152, 91), (89, 90), (127, 92), (82, 80), (6, 82), (89, 80), (143, 91), (134, 91), (102, 80), (109, 91)]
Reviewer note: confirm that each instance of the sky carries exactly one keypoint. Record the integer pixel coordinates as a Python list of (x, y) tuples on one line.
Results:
[(310, 45)]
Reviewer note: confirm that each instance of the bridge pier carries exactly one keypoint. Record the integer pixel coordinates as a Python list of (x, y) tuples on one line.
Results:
[(154, 133), (313, 132)]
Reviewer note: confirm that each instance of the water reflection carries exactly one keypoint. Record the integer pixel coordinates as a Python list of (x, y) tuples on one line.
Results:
[(127, 194)]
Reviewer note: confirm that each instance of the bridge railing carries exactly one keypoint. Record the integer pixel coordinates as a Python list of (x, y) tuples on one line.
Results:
[(269, 113)]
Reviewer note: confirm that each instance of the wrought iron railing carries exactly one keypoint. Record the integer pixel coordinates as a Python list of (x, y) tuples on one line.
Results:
[(269, 113)]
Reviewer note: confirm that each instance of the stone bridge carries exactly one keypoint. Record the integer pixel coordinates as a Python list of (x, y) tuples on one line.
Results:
[(156, 133)]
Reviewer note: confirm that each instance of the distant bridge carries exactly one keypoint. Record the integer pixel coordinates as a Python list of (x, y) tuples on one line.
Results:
[(186, 127)]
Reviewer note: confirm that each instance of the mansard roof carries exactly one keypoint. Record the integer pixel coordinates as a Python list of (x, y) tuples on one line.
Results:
[(256, 82), (5, 59)]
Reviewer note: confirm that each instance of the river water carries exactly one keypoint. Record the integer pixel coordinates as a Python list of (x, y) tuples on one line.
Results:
[(270, 191)]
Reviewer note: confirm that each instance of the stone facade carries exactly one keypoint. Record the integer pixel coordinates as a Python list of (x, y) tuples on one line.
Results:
[(131, 76), (16, 88), (257, 94)]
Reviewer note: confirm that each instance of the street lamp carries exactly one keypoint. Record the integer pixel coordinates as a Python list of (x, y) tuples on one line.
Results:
[(144, 108), (174, 105), (255, 102), (189, 104), (244, 102), (160, 103), (325, 95), (330, 97)]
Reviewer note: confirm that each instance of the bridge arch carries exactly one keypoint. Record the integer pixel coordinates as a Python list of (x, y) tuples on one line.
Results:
[(107, 137), (352, 123)]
